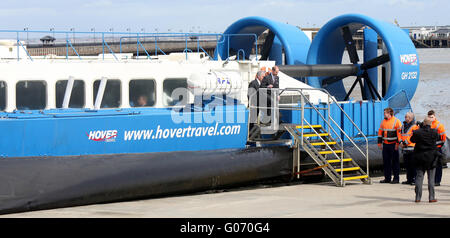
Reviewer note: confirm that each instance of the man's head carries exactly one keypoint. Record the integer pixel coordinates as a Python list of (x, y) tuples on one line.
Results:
[(275, 70), (431, 115), (142, 101), (427, 121), (388, 113), (260, 75), (409, 117)]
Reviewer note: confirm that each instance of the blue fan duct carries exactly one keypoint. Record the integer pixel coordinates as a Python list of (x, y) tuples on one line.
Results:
[(328, 47), (242, 35)]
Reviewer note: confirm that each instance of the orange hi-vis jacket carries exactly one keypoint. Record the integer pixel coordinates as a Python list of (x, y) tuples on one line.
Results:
[(390, 131), (441, 131), (406, 138)]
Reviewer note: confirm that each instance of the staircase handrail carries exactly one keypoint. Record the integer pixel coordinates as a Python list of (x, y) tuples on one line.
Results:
[(341, 157), (304, 120), (303, 97), (300, 90)]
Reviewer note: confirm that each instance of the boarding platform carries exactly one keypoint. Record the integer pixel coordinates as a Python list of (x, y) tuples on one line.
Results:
[(321, 138)]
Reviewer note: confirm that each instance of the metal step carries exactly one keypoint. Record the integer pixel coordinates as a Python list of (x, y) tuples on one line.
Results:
[(356, 177), (327, 152), (338, 160), (308, 127), (348, 169), (315, 135), (322, 143)]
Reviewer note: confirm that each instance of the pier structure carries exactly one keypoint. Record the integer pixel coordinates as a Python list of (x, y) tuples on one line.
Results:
[(430, 36), (422, 36), (152, 47), (432, 42)]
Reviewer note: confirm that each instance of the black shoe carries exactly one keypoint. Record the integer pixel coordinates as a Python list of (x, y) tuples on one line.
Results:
[(437, 184), (395, 182), (406, 182), (385, 181)]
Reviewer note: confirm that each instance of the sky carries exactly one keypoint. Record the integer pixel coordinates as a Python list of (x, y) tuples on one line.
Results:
[(206, 15)]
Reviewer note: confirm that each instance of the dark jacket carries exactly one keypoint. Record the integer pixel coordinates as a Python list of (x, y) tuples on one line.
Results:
[(265, 82), (253, 100), (425, 154), (254, 84), (253, 91), (407, 125), (270, 79)]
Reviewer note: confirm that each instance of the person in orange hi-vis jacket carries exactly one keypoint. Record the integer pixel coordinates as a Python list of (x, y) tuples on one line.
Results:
[(409, 125), (441, 131), (389, 135)]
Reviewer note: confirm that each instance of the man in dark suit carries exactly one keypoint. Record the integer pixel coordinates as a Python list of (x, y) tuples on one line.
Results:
[(271, 81), (253, 97), (256, 83), (425, 157)]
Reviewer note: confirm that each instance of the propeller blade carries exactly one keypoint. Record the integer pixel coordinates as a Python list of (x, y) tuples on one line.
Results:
[(350, 45), (267, 46), (361, 87), (358, 80), (382, 59), (372, 88)]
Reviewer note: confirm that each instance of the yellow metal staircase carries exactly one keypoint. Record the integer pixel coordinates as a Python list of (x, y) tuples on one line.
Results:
[(323, 142), (324, 150)]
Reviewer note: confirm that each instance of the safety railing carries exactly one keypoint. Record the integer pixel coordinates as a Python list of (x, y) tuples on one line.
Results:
[(23, 47), (399, 102), (238, 54), (226, 38), (303, 101), (109, 38), (328, 120)]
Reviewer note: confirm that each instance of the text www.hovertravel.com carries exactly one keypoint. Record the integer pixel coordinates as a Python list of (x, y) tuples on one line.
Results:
[(188, 132)]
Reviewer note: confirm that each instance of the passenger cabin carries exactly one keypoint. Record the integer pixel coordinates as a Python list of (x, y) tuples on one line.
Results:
[(100, 84), (123, 80)]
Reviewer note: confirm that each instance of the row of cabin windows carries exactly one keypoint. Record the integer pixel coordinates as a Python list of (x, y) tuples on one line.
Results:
[(32, 95)]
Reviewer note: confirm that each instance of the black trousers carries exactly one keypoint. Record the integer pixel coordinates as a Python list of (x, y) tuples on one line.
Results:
[(409, 165), (419, 182), (391, 162)]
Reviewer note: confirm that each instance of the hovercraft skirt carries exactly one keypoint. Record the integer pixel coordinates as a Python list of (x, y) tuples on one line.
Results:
[(35, 183)]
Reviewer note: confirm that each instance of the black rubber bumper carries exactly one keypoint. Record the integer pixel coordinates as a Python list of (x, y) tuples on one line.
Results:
[(51, 182)]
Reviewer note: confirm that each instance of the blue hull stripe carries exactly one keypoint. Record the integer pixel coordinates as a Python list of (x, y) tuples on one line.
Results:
[(126, 131)]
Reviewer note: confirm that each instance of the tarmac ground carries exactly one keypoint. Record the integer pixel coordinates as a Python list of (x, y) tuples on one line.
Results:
[(286, 200)]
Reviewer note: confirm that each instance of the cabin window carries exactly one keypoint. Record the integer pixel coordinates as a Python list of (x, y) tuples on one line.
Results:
[(111, 96), (142, 93), (175, 91), (31, 95), (2, 95), (77, 97)]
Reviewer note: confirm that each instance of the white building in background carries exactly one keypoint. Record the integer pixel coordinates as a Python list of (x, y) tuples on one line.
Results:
[(421, 33), (426, 32), (310, 32), (8, 49), (441, 33)]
